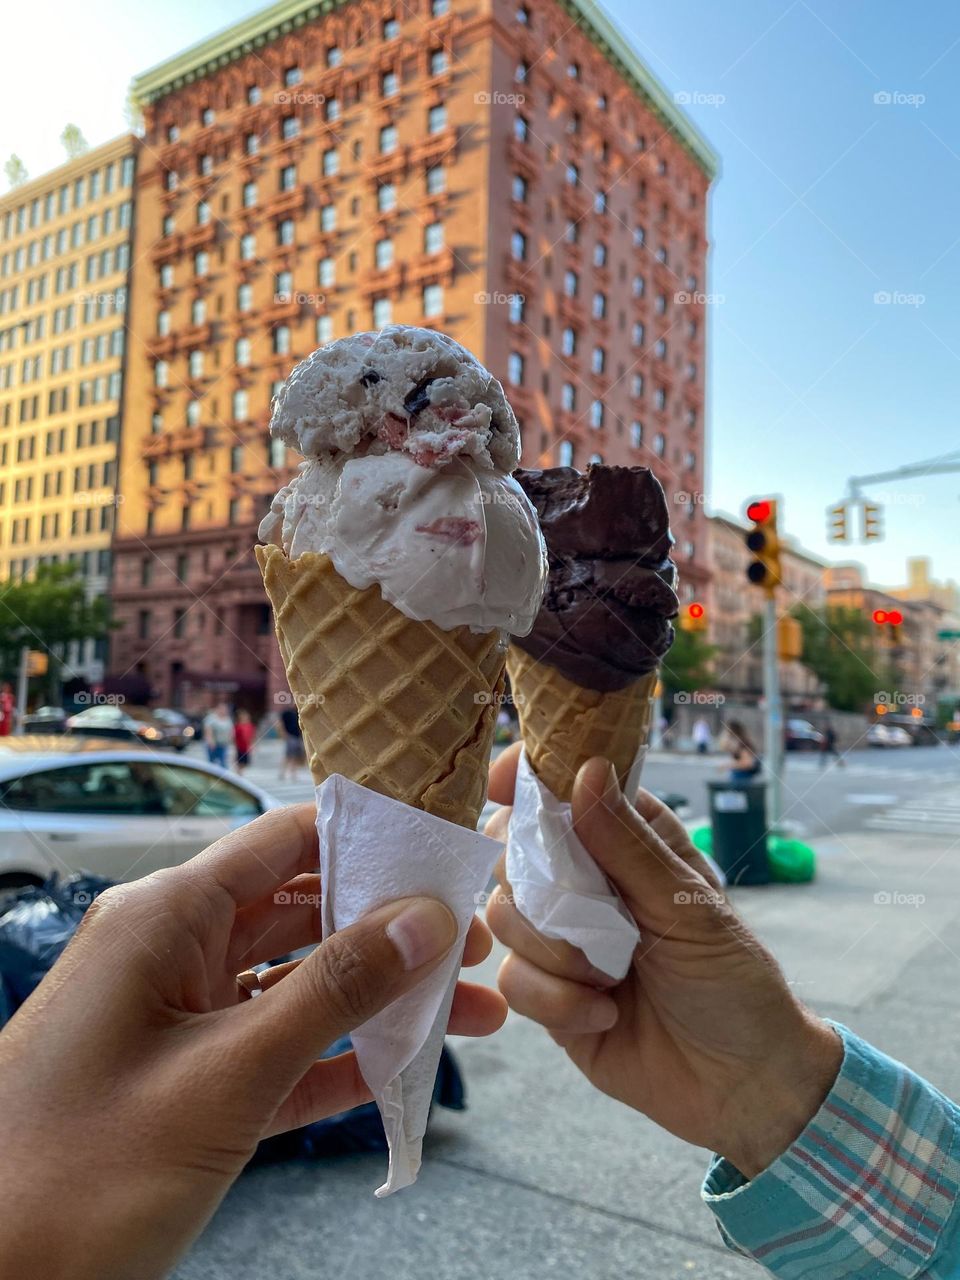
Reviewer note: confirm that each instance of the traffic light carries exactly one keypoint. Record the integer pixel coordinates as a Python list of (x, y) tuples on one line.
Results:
[(762, 540), (694, 617), (837, 524), (872, 525), (789, 639), (891, 618)]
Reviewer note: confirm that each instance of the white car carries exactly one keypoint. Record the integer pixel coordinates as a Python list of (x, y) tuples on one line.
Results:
[(117, 810), (888, 735)]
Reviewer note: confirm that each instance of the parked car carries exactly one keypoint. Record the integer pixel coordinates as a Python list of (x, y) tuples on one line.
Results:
[(800, 735), (45, 720), (117, 810), (887, 735), (179, 731), (127, 723)]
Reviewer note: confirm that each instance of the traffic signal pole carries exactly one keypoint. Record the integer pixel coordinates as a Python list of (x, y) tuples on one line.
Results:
[(773, 716), (22, 675)]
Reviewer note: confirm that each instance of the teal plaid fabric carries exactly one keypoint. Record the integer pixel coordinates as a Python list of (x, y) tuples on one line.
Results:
[(868, 1191)]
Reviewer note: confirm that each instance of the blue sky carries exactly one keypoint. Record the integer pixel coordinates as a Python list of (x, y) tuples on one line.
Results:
[(826, 199)]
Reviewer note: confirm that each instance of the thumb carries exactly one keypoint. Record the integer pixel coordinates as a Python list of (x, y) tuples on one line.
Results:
[(640, 864), (351, 976)]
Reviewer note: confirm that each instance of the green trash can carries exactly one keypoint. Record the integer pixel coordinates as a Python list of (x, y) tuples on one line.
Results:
[(738, 815)]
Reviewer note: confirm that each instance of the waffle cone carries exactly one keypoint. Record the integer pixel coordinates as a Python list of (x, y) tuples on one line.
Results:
[(401, 707), (563, 724)]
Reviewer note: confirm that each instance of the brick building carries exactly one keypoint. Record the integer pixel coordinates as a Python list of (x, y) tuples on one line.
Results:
[(511, 174), (64, 263), (733, 605)]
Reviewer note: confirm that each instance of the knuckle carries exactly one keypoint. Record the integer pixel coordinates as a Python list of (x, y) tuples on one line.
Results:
[(344, 980)]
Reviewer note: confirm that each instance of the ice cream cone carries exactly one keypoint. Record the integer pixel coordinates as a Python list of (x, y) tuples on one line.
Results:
[(402, 707), (564, 724)]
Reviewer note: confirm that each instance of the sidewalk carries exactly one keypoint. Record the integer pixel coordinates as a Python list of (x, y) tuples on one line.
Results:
[(543, 1176)]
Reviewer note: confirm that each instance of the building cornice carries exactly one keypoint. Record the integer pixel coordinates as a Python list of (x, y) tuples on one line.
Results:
[(277, 20), (115, 149)]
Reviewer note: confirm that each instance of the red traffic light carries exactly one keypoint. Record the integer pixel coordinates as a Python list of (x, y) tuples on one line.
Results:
[(759, 511), (695, 610), (894, 617), (880, 617)]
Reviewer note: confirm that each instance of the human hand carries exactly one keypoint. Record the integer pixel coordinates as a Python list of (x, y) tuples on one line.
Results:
[(135, 1084), (703, 1035)]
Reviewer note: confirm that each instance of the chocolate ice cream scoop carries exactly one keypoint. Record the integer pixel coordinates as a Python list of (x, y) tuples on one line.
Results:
[(611, 593)]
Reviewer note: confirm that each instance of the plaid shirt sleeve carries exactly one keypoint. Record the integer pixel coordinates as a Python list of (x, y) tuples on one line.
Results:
[(868, 1191)]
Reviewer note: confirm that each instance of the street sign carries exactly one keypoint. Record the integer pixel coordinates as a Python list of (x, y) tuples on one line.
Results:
[(948, 635), (36, 663)]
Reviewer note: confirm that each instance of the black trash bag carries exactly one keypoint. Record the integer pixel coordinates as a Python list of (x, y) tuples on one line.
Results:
[(360, 1129), (35, 926)]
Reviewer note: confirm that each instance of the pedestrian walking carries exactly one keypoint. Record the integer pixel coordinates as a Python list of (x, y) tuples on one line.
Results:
[(8, 709), (243, 734), (294, 755), (828, 746), (702, 737), (218, 734), (744, 757)]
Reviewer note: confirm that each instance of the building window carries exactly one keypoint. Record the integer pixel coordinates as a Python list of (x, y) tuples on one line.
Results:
[(163, 323), (515, 368), (636, 434), (241, 352), (438, 62), (326, 272), (659, 444), (388, 139), (389, 84), (288, 177), (573, 70), (193, 413), (600, 202), (572, 175), (324, 329), (568, 397), (281, 340), (253, 95), (328, 217), (639, 334), (639, 236), (432, 300), (195, 364), (439, 7), (436, 180), (519, 188), (386, 197), (565, 454), (660, 398), (521, 129), (331, 109), (383, 254), (437, 118), (568, 342), (518, 246), (571, 283), (198, 312), (292, 76), (660, 349), (283, 286), (598, 360), (596, 414), (382, 313), (639, 285), (161, 373), (636, 384), (690, 460), (245, 297), (334, 55), (203, 213), (240, 406), (286, 231), (516, 305), (201, 263), (251, 144), (600, 254), (433, 237), (249, 194), (391, 28), (290, 127)]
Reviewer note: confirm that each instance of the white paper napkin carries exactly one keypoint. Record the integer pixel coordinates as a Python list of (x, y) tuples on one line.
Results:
[(374, 850), (557, 885)]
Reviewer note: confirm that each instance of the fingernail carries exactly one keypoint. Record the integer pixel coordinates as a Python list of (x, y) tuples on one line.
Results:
[(611, 786), (422, 931), (601, 1017)]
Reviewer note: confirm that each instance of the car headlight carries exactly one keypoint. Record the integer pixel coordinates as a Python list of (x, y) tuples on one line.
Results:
[(151, 733), (188, 730)]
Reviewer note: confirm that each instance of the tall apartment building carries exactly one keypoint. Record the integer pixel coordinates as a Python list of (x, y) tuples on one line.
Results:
[(511, 174), (65, 253)]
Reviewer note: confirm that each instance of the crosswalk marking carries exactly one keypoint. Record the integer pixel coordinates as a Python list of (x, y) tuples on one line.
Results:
[(934, 813)]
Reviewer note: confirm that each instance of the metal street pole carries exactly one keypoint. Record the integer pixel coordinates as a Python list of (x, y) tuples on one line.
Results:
[(773, 719), (21, 709)]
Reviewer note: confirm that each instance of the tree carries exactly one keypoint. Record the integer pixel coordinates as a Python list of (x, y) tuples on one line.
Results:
[(688, 664), (47, 612), (133, 113), (74, 143), (16, 172), (838, 647)]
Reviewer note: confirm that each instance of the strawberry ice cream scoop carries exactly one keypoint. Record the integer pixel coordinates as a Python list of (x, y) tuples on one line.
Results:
[(409, 442)]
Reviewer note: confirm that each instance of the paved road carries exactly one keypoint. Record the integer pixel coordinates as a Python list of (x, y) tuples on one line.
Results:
[(910, 789)]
